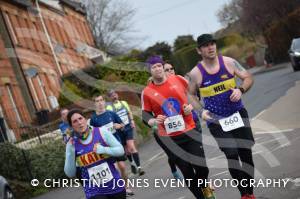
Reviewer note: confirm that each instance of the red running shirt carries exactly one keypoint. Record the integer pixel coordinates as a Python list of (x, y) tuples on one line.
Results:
[(168, 99)]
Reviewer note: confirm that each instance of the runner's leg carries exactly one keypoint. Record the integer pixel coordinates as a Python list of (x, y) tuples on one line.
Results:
[(185, 167), (247, 166)]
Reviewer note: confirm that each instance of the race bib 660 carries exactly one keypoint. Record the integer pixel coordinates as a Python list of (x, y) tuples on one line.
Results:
[(232, 122)]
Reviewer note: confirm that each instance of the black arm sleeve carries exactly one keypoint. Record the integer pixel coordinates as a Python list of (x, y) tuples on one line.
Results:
[(146, 116)]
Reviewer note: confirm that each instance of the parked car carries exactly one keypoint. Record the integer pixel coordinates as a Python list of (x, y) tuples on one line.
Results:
[(295, 54), (5, 190)]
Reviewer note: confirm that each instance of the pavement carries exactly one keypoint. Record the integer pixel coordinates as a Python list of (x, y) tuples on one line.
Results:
[(282, 115), (262, 69)]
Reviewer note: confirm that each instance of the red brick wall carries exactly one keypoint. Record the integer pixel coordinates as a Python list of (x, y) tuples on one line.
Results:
[(32, 45), (7, 77), (67, 30), (33, 50)]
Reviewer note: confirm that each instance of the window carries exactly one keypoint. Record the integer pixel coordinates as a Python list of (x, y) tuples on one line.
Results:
[(12, 101), (11, 29), (42, 86)]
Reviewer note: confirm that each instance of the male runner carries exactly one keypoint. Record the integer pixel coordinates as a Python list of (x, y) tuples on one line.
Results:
[(176, 134), (226, 116), (111, 122), (121, 108)]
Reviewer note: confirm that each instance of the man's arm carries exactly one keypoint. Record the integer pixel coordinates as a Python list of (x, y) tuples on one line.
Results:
[(241, 73), (146, 116), (118, 123), (193, 81), (236, 69)]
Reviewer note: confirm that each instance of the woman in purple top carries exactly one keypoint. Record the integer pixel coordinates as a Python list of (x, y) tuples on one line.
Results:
[(92, 152)]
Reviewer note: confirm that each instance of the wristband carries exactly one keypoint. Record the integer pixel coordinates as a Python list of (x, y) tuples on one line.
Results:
[(242, 90)]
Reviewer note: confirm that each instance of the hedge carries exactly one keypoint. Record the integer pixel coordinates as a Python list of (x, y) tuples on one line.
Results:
[(45, 161), (185, 59)]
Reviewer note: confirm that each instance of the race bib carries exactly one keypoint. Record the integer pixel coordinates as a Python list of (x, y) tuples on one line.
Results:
[(100, 174), (174, 124), (125, 119), (108, 127), (232, 122)]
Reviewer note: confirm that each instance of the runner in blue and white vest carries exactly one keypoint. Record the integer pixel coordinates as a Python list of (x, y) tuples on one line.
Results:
[(122, 109)]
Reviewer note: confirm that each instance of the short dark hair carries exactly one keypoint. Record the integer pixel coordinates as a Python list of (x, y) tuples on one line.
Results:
[(71, 113), (97, 95), (62, 109), (167, 62)]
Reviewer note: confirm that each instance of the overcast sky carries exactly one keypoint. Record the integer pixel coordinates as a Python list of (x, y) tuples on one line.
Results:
[(164, 20)]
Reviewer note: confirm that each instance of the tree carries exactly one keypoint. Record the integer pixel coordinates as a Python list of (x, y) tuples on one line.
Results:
[(111, 23), (267, 19), (183, 41), (230, 12), (259, 18), (160, 48)]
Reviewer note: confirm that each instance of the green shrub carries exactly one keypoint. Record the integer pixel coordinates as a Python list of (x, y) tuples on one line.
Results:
[(185, 59), (47, 160), (125, 73), (12, 162), (70, 93), (143, 129)]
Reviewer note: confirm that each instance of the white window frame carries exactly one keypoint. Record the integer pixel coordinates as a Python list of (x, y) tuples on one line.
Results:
[(34, 93), (43, 92), (12, 101), (12, 31)]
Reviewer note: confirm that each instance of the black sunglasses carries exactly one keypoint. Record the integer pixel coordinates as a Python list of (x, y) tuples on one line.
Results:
[(169, 69)]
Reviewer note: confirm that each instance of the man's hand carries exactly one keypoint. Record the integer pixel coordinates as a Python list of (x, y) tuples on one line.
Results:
[(236, 95), (158, 120), (132, 124), (187, 109), (205, 115), (118, 126)]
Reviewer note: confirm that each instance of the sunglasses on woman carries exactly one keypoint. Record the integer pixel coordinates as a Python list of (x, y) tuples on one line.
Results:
[(168, 69)]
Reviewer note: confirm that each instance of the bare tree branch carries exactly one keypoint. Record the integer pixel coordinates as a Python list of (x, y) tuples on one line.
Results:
[(112, 24)]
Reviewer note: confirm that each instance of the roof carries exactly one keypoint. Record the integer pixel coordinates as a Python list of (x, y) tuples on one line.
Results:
[(75, 5), (25, 3)]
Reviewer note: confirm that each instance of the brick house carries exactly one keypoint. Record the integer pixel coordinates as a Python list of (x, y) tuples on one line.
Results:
[(40, 41)]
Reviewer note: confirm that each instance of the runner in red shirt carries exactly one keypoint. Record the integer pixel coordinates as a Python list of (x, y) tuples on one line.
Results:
[(165, 104)]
